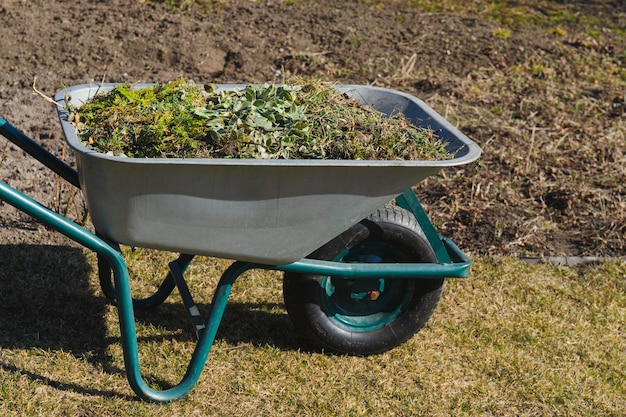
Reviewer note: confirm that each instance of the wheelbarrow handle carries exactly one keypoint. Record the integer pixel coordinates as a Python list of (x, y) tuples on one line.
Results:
[(39, 153), (124, 301)]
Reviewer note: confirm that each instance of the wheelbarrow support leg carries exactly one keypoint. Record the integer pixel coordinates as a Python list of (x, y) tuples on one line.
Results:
[(409, 201), (192, 308), (162, 293), (203, 347)]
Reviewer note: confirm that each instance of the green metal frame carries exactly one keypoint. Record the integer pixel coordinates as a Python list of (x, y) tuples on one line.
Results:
[(115, 282)]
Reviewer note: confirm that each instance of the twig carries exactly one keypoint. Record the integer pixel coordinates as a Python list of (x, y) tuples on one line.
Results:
[(101, 83), (530, 150), (407, 68), (39, 93)]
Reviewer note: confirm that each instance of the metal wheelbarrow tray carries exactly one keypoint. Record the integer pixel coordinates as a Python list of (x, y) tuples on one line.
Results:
[(266, 211), (354, 282)]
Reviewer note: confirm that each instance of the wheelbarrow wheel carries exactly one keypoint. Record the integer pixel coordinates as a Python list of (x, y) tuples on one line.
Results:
[(365, 316)]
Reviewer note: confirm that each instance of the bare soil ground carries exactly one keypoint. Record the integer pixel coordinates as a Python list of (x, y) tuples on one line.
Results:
[(538, 85)]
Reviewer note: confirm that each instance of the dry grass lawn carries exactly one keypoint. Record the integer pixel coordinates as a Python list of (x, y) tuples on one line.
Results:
[(513, 340)]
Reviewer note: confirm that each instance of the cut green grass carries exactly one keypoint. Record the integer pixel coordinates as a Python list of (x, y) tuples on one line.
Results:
[(305, 120)]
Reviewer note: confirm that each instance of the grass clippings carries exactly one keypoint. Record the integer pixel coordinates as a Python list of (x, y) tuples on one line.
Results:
[(306, 120)]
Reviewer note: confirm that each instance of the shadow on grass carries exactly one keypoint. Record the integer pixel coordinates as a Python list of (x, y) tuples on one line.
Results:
[(64, 386), (47, 301), (259, 324), (48, 304)]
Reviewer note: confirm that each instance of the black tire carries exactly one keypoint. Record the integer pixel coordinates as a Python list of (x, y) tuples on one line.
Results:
[(362, 317)]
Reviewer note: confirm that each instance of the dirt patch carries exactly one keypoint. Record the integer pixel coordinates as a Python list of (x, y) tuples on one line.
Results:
[(551, 181)]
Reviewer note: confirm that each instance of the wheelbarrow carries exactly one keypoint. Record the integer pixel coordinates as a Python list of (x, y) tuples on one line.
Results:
[(363, 265)]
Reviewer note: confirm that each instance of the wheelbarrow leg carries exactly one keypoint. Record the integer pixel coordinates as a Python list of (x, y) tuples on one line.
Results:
[(203, 346), (174, 279), (163, 292), (409, 201)]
